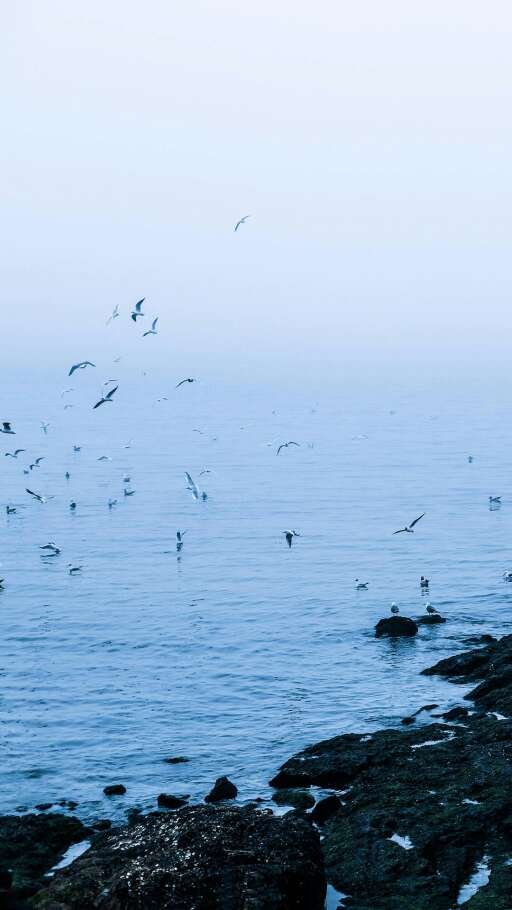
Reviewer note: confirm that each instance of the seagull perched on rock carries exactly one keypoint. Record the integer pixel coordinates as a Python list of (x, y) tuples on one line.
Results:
[(6, 428), (289, 535), (152, 330), (394, 609), (430, 609), (183, 381), (241, 221), (409, 529), (106, 398), (137, 310), (284, 445), (114, 314), (81, 366), (15, 453)]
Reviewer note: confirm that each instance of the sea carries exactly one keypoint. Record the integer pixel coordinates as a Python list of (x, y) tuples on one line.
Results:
[(236, 651)]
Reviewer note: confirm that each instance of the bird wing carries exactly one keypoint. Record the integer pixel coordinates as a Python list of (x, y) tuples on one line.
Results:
[(138, 305), (282, 446), (292, 443), (101, 401), (88, 363), (73, 368), (35, 495), (181, 383), (109, 394), (401, 531), (192, 486), (38, 460), (153, 324), (416, 520)]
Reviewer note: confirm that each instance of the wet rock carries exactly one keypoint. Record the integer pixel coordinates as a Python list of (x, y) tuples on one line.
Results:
[(30, 845), (222, 789), (198, 858), (492, 665), (299, 799), (102, 824), (42, 807), (457, 713), (325, 809), (396, 626), (114, 790), (167, 801), (430, 619), (406, 721), (176, 760)]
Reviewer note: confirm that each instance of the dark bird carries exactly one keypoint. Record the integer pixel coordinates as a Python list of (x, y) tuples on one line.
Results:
[(183, 381), (2, 584), (6, 428), (36, 463), (495, 500), (129, 492), (15, 453), (179, 540), (284, 445), (81, 366), (242, 221), (289, 535), (105, 398), (137, 310), (361, 585), (394, 609), (430, 609), (424, 582), (152, 330), (74, 570), (409, 529), (72, 505), (52, 547), (10, 510)]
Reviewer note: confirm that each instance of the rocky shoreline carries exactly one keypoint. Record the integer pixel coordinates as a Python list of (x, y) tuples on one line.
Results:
[(400, 819)]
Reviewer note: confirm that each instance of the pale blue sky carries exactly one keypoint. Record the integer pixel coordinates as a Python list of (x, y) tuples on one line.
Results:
[(371, 142)]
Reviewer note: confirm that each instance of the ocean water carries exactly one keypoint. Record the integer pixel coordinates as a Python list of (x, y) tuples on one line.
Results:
[(237, 651)]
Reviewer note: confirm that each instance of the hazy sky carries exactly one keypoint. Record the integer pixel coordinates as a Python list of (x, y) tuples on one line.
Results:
[(371, 142)]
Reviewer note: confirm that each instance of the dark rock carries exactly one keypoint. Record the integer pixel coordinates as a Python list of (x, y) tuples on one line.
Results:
[(457, 713), (492, 664), (31, 844), (396, 626), (222, 789), (167, 801), (198, 858), (325, 809), (42, 807), (176, 760), (300, 799), (133, 814), (412, 717), (430, 619), (407, 721), (5, 880), (102, 824), (114, 790)]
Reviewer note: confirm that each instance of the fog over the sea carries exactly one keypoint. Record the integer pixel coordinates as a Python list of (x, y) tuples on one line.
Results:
[(371, 143)]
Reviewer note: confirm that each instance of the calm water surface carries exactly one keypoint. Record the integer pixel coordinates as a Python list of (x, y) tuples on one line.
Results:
[(241, 651)]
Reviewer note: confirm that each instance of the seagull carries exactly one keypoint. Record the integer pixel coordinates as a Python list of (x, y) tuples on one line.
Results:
[(205, 471), (81, 366), (129, 492), (137, 310), (179, 539), (36, 463), (152, 330), (36, 495), (44, 427), (507, 575), (15, 453), (361, 585), (204, 496), (471, 459), (77, 448), (67, 475), (2, 584), (192, 486), (51, 546), (74, 570), (114, 314), (430, 609), (289, 536), (126, 479), (394, 609), (112, 503), (242, 221), (183, 381), (104, 458), (72, 505), (66, 392), (409, 529), (493, 499), (6, 428), (424, 582), (284, 445), (106, 398), (10, 510)]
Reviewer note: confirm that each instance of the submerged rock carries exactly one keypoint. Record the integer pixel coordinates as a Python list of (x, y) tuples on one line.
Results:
[(176, 760), (114, 790), (430, 619), (198, 858), (222, 789), (396, 626)]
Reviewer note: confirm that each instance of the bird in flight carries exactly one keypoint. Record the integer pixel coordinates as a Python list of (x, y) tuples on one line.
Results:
[(242, 221), (36, 495), (137, 310), (152, 330), (112, 503), (6, 428), (409, 529), (114, 314), (44, 427), (66, 392), (183, 381), (492, 499), (36, 463), (80, 366), (284, 445), (192, 486), (129, 492), (289, 536), (105, 398), (15, 453)]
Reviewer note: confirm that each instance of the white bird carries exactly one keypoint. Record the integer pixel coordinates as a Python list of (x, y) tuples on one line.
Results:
[(284, 445), (394, 608), (241, 221), (15, 453), (114, 314), (44, 427), (192, 486), (409, 528), (289, 535), (105, 399), (81, 366), (6, 428), (137, 310), (74, 570), (430, 609), (36, 495), (152, 330)]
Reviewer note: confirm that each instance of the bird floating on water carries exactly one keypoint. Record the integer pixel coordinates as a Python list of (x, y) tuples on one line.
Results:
[(153, 329), (15, 453), (284, 445), (289, 535), (183, 381), (6, 428), (10, 510), (72, 505), (106, 399), (424, 582), (137, 310), (74, 570), (495, 500), (471, 459), (361, 585), (80, 366), (409, 529), (241, 221)]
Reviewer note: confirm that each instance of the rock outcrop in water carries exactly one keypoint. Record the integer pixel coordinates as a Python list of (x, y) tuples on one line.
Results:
[(396, 626), (198, 858)]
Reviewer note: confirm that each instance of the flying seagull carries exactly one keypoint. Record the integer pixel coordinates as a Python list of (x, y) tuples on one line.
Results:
[(394, 609), (242, 221), (192, 486), (493, 499), (152, 330), (137, 310), (15, 453), (44, 427), (114, 314), (112, 503), (6, 428), (36, 463), (289, 536), (104, 458), (36, 495), (66, 392), (81, 366), (183, 381), (128, 492), (409, 529), (284, 445), (106, 398)]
